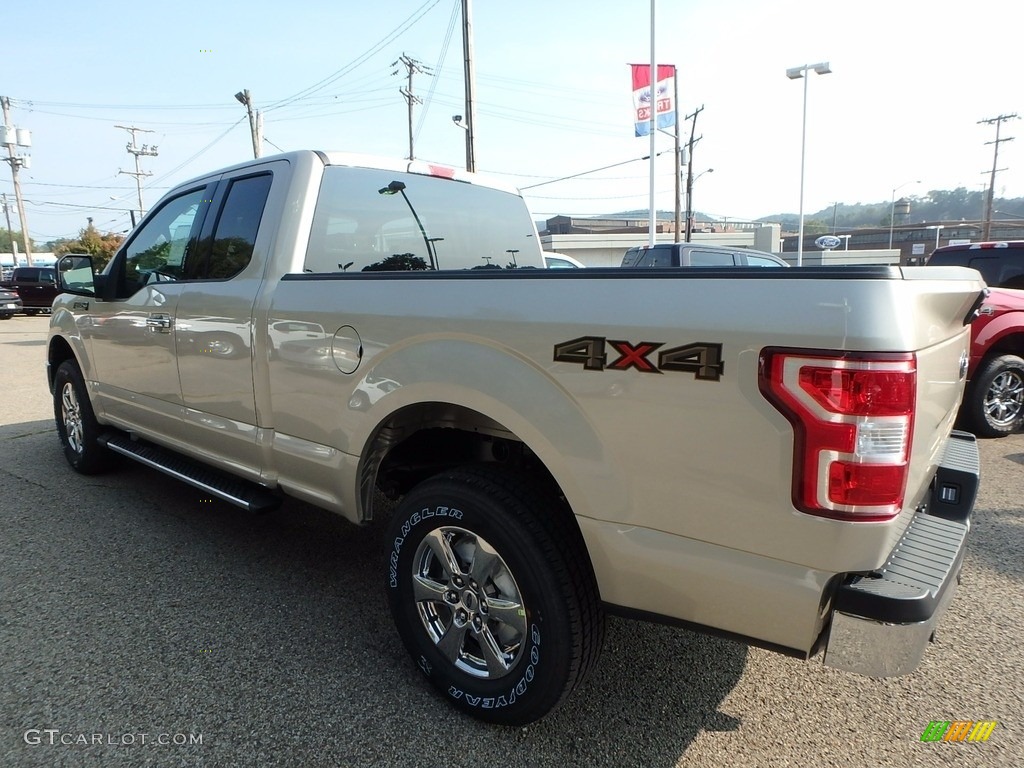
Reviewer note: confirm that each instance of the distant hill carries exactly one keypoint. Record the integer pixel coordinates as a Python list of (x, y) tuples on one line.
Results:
[(936, 205), (641, 213)]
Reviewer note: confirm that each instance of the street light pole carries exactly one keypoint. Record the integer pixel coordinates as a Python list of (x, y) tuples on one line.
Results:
[(470, 84), (399, 187), (255, 121), (794, 73), (892, 207)]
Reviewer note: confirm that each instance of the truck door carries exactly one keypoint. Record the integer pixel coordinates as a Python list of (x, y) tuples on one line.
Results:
[(214, 325), (131, 332)]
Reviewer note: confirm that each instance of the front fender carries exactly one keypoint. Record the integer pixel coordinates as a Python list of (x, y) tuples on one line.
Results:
[(65, 340), (997, 332)]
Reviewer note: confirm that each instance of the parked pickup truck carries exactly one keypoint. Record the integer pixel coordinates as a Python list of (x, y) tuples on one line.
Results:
[(762, 453), (37, 287)]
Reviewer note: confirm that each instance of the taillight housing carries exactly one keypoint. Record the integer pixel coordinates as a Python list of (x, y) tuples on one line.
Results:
[(853, 423)]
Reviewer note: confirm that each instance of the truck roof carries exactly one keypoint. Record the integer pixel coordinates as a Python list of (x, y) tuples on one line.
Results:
[(358, 160)]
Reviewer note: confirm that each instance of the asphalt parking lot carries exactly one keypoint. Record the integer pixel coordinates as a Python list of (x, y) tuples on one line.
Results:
[(175, 630)]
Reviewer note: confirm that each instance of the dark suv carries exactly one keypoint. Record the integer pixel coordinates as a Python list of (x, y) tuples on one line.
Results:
[(37, 287), (698, 255), (994, 399), (1001, 264)]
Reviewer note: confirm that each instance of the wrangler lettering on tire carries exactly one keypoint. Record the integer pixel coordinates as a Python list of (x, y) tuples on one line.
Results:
[(492, 593)]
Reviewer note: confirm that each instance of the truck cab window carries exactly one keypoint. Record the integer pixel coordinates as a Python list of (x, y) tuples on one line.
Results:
[(158, 250)]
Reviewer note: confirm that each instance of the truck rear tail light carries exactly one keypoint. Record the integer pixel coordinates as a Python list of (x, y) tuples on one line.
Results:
[(853, 421)]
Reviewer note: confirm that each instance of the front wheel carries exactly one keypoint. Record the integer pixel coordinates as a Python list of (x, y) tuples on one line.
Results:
[(492, 593), (995, 400), (77, 427)]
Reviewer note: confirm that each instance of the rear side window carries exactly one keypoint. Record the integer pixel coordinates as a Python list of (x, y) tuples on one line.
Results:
[(656, 257), (369, 220), (761, 261), (234, 237), (27, 275), (631, 257), (710, 259)]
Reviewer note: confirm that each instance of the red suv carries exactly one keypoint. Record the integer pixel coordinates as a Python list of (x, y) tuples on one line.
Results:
[(994, 400)]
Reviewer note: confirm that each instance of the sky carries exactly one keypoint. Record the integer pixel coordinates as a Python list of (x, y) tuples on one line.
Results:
[(910, 82)]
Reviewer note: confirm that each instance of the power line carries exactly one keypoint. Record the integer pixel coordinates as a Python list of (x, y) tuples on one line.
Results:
[(595, 170), (452, 21), (200, 152), (361, 59)]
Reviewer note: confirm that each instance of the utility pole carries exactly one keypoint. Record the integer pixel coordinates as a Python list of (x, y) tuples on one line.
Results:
[(995, 161), (411, 67), (255, 122), (467, 52), (12, 137), (689, 170), (146, 150), (678, 164), (7, 215)]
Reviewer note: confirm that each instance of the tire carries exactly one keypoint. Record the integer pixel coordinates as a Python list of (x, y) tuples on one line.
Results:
[(995, 399), (77, 427), (506, 636), (6, 316)]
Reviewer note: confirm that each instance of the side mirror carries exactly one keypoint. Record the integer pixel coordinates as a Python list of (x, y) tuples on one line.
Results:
[(75, 275)]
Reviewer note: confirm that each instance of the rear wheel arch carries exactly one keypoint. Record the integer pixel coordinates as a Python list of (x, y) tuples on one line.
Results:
[(450, 435), (421, 441)]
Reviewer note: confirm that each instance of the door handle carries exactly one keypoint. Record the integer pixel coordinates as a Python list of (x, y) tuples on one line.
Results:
[(160, 323)]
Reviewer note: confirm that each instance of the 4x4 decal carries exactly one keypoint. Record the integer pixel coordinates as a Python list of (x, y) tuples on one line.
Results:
[(701, 359)]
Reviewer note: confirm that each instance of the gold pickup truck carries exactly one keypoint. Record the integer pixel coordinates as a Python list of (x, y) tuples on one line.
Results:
[(764, 454)]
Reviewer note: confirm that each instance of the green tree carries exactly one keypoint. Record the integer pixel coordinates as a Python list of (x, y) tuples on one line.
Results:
[(5, 241), (101, 247), (398, 262)]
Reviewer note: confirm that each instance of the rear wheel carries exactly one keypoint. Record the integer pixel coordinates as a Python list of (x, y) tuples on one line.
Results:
[(77, 427), (492, 593), (995, 399)]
